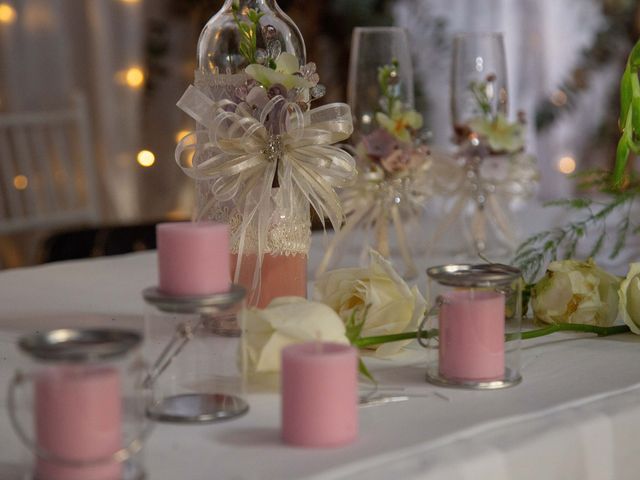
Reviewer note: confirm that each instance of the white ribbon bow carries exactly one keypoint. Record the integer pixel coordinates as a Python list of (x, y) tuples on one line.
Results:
[(241, 158)]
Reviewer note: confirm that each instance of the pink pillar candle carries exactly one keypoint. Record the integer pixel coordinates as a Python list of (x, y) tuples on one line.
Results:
[(471, 343), (78, 417), (319, 394), (193, 258)]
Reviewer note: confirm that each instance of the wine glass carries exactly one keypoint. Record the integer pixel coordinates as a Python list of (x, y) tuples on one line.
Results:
[(383, 209), (371, 48), (478, 81), (479, 100)]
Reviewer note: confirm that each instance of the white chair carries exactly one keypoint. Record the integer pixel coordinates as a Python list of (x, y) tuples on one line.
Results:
[(47, 170)]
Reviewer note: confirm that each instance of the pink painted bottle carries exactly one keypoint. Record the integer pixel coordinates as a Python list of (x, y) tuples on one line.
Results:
[(86, 404), (220, 70), (477, 314)]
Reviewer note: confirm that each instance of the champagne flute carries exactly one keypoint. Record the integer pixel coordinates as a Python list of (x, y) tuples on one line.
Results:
[(478, 98), (478, 81)]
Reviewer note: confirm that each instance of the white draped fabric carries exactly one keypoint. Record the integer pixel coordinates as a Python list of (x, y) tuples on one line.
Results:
[(53, 49), (543, 38)]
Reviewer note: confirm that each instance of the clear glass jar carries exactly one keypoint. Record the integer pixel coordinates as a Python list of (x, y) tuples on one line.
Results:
[(474, 325), (219, 43), (282, 270), (194, 347), (84, 416)]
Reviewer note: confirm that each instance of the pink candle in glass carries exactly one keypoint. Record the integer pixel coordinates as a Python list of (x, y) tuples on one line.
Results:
[(471, 344), (193, 258), (78, 416), (319, 394)]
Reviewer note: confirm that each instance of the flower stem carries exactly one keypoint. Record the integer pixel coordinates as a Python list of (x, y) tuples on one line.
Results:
[(573, 327), (364, 342)]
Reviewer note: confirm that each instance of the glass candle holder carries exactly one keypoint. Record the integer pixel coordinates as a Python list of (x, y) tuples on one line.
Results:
[(476, 317), (83, 416), (194, 347)]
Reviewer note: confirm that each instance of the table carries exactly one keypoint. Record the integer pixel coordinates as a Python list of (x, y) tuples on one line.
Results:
[(575, 416)]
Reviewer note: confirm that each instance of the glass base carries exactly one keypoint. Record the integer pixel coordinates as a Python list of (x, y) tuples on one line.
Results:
[(198, 408), (510, 379)]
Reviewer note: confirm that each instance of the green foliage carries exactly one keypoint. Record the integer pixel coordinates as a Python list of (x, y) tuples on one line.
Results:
[(354, 327), (479, 91), (248, 32), (540, 249), (388, 82)]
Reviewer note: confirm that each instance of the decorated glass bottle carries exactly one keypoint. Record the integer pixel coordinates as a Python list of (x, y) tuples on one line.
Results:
[(225, 49)]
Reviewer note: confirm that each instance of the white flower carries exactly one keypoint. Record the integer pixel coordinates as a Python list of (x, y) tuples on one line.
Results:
[(285, 321), (576, 292), (629, 298), (286, 66), (392, 306), (502, 135)]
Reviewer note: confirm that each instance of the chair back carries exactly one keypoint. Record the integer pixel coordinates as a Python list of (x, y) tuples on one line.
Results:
[(47, 170)]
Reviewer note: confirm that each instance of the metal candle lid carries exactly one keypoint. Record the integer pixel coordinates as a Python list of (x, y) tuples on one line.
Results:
[(217, 302), (483, 275), (79, 345)]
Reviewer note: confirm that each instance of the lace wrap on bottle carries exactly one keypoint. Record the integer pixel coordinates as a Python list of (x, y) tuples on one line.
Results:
[(239, 157)]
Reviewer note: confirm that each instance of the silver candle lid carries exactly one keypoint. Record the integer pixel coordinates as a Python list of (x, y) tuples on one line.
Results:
[(215, 303), (483, 275), (79, 345)]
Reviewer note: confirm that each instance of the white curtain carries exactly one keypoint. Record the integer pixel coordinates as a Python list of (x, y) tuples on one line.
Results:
[(543, 41), (53, 49)]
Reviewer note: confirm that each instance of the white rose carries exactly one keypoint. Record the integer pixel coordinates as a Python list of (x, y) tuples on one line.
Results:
[(393, 306), (285, 321), (576, 292), (629, 298)]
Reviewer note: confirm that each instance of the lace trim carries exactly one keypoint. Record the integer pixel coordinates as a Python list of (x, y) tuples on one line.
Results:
[(289, 234)]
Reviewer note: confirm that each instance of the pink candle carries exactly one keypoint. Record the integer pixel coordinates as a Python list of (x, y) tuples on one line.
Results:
[(193, 258), (319, 394), (472, 335), (78, 417)]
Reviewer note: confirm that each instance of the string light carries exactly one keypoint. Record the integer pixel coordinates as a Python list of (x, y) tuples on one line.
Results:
[(20, 182), (7, 13), (134, 77), (567, 165), (146, 158)]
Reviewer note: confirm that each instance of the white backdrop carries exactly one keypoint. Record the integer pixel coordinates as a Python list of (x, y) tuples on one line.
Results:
[(543, 41)]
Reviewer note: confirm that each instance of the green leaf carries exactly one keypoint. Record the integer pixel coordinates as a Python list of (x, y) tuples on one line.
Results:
[(598, 245), (621, 239), (575, 203), (635, 115), (364, 371), (626, 94), (634, 57), (622, 155)]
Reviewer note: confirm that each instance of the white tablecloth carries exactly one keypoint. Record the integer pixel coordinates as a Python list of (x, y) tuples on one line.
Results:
[(575, 416)]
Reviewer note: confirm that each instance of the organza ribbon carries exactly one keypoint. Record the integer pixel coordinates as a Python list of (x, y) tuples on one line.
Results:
[(374, 204), (489, 192), (241, 157)]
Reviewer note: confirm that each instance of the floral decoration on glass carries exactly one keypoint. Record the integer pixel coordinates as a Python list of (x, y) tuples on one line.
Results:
[(392, 184), (494, 171), (262, 156)]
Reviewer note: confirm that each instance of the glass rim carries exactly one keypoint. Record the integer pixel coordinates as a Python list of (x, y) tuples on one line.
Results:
[(379, 29), (463, 35)]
